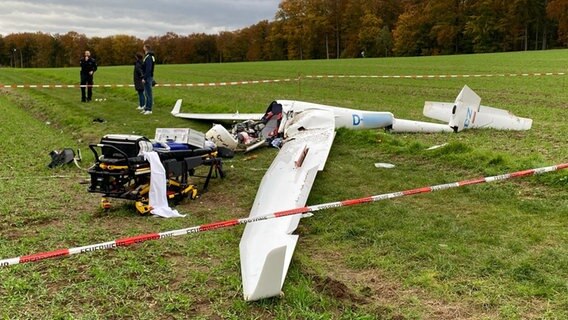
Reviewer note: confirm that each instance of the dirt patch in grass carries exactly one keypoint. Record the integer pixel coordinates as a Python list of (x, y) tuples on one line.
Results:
[(335, 289), (372, 290)]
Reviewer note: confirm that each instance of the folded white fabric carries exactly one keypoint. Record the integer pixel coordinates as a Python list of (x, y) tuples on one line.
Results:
[(158, 188)]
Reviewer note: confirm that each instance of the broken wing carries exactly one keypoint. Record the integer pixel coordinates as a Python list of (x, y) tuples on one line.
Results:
[(266, 247)]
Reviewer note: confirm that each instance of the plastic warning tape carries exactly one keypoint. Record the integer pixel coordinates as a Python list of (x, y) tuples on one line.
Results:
[(174, 85), (440, 76), (247, 82), (304, 211)]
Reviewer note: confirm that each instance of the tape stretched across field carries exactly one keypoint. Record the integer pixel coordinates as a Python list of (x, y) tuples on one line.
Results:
[(305, 211), (443, 76), (248, 82), (174, 85)]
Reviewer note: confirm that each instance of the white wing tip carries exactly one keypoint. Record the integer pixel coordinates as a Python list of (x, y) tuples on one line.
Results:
[(177, 107), (269, 282)]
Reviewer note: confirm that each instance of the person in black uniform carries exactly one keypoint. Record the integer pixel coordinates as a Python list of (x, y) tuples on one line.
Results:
[(138, 85), (88, 68)]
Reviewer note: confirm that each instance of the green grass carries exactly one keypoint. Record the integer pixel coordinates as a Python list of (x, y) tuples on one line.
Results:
[(492, 251)]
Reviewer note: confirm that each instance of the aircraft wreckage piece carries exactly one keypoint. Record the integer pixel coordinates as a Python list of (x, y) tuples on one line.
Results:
[(306, 131), (264, 127), (267, 247), (464, 113), (468, 113)]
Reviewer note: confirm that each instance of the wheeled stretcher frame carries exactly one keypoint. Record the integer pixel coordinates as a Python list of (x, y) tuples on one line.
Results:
[(123, 177)]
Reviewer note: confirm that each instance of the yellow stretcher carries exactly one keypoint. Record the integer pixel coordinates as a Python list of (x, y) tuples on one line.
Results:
[(119, 172)]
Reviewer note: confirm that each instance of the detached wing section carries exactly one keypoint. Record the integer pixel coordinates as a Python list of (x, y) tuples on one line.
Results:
[(228, 117), (266, 247)]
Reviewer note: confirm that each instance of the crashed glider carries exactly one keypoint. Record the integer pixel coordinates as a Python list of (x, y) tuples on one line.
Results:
[(466, 112), (308, 130)]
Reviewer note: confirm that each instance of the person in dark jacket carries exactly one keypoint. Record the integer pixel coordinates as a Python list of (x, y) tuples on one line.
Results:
[(88, 68), (148, 80), (138, 77)]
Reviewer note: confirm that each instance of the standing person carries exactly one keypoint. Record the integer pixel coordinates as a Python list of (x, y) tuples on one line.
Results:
[(138, 77), (88, 68), (149, 62)]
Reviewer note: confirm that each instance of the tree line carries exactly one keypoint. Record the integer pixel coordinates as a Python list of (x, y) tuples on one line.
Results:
[(324, 29)]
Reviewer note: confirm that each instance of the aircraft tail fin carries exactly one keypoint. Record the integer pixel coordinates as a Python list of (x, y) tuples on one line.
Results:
[(467, 113), (465, 109)]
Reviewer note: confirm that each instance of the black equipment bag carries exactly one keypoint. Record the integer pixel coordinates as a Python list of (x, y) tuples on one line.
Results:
[(128, 146), (61, 157)]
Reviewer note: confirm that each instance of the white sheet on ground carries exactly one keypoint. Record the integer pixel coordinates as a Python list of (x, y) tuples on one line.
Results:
[(158, 187)]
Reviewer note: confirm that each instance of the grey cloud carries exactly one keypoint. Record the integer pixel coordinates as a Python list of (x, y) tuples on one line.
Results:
[(140, 18)]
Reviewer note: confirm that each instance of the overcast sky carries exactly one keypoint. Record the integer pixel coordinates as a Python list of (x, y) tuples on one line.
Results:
[(141, 18)]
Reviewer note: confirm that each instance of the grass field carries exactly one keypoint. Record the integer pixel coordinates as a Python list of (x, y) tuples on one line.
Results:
[(493, 251)]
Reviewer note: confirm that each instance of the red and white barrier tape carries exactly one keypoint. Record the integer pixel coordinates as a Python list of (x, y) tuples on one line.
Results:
[(173, 85), (305, 211), (441, 76), (330, 76)]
